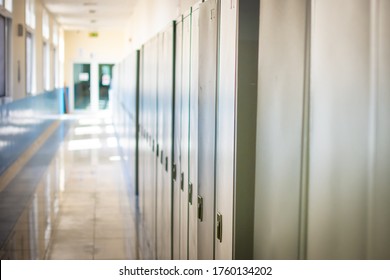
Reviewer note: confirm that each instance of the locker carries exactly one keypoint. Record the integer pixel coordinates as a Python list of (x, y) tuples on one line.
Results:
[(225, 127), (279, 128), (236, 128), (193, 138), (142, 147), (208, 27), (160, 188), (176, 140), (149, 213), (165, 102), (184, 166)]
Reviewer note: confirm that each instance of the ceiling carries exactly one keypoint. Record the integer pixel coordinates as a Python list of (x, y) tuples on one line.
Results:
[(91, 14)]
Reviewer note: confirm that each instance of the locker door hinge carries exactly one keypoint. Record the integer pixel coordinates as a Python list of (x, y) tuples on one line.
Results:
[(219, 227), (174, 172), (190, 190), (200, 208), (182, 181)]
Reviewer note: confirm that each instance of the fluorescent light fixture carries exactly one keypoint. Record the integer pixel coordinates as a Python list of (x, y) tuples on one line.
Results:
[(115, 158), (84, 144), (87, 130), (89, 121), (112, 142), (109, 129)]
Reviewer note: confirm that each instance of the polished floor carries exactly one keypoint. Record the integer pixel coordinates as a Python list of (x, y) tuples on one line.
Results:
[(80, 208)]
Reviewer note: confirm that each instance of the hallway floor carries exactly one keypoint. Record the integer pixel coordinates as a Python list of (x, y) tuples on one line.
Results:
[(81, 208)]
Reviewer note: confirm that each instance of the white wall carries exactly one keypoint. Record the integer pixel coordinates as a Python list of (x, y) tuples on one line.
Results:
[(80, 47), (150, 17)]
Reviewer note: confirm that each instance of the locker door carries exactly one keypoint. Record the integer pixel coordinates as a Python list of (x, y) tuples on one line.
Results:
[(184, 168), (340, 104), (143, 150), (193, 139), (164, 196), (279, 128), (176, 141), (161, 211), (225, 129), (167, 134), (154, 132), (208, 26), (151, 168), (380, 196)]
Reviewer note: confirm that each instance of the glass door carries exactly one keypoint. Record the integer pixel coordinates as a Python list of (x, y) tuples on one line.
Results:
[(105, 75), (82, 86)]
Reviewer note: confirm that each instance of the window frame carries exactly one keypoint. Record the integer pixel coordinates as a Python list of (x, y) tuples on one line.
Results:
[(7, 52)]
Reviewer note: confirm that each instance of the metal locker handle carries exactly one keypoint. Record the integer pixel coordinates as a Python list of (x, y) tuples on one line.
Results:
[(190, 186), (182, 181), (174, 171), (200, 208), (219, 227), (158, 150), (166, 164)]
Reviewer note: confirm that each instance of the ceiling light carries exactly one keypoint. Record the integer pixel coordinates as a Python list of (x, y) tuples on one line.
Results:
[(90, 4)]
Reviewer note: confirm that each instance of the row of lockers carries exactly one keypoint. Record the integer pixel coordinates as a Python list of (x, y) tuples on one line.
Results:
[(260, 129)]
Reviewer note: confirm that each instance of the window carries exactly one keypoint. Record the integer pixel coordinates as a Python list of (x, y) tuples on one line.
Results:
[(29, 63), (46, 65), (3, 56), (30, 13), (8, 5), (45, 25), (55, 69), (55, 35)]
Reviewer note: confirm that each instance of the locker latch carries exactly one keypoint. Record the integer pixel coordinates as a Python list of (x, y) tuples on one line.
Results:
[(162, 157), (166, 164), (157, 150), (174, 171), (200, 208), (219, 227), (190, 186), (182, 181)]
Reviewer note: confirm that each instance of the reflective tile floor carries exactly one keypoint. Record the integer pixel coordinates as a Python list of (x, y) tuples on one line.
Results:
[(81, 208)]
